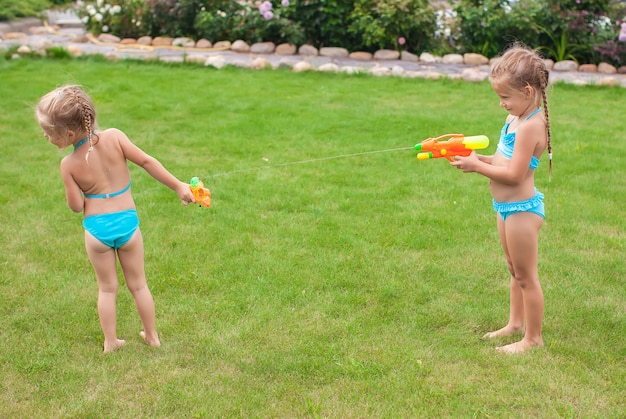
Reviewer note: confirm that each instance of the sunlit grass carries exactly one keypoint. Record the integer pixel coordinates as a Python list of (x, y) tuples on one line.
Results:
[(348, 287)]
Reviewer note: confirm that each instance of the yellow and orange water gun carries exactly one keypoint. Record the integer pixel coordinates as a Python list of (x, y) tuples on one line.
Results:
[(454, 145), (201, 194)]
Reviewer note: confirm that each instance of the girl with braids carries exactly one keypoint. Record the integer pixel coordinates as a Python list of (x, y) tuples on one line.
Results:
[(520, 79), (97, 182)]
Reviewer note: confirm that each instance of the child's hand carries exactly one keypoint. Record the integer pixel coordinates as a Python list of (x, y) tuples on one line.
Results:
[(466, 164), (184, 194)]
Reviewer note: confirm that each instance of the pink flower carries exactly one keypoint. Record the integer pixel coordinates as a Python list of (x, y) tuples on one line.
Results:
[(266, 6), (622, 33), (285, 3), (268, 15), (401, 40)]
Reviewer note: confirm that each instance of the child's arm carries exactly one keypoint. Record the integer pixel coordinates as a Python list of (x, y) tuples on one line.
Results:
[(484, 159), (73, 194), (525, 144), (155, 169)]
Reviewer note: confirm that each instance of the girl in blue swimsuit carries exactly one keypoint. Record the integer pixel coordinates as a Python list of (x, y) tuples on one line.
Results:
[(97, 183), (520, 79)]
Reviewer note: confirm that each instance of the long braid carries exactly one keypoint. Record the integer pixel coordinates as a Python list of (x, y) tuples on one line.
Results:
[(548, 132), (86, 112), (87, 119)]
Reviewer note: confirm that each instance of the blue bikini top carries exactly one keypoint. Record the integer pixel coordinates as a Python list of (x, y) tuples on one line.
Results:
[(507, 141), (102, 195)]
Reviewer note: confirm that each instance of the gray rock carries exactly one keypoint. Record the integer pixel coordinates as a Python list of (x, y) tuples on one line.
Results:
[(606, 68), (473, 75), (329, 68), (222, 45), (475, 59), (240, 46), (360, 55), (260, 63), (429, 58), (452, 59), (407, 56), (334, 52), (308, 50), (302, 66), (286, 49), (263, 48), (566, 65), (386, 54)]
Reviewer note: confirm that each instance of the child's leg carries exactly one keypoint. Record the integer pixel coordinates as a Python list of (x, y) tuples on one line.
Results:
[(131, 259), (103, 260), (516, 309), (522, 233)]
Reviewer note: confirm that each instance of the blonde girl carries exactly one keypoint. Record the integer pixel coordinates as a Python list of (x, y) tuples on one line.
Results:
[(97, 183), (520, 79)]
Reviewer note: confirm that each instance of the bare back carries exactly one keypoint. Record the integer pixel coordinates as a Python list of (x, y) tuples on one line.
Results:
[(104, 171)]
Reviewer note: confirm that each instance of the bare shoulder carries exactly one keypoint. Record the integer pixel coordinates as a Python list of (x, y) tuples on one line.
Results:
[(533, 130), (532, 135), (111, 133), (113, 137), (65, 162)]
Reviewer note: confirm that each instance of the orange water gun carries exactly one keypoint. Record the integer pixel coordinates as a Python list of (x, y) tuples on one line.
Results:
[(201, 194), (455, 145)]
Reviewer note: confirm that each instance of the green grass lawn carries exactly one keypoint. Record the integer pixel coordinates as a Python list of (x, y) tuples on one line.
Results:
[(353, 287)]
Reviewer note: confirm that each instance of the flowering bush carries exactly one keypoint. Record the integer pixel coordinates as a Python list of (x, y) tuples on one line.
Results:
[(119, 17), (251, 22), (584, 30), (98, 17)]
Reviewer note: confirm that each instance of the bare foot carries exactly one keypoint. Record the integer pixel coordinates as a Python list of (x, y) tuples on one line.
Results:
[(113, 346), (505, 331), (152, 341), (519, 347)]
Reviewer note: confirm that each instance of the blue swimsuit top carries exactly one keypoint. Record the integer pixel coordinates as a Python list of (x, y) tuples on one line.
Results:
[(101, 195), (507, 141)]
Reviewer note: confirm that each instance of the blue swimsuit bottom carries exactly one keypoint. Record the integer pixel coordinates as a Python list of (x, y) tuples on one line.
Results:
[(113, 229), (533, 205)]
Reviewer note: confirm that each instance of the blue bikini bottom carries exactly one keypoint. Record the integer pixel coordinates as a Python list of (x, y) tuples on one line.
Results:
[(533, 205), (113, 229)]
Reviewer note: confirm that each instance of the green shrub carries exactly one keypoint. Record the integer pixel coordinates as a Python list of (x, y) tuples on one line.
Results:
[(324, 22), (172, 18), (58, 53), (572, 28), (12, 9), (489, 26), (393, 24), (582, 30)]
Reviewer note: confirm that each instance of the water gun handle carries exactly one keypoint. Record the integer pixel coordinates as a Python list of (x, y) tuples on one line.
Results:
[(201, 194)]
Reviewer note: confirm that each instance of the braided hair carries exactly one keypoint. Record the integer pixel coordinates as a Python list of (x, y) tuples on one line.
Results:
[(68, 108), (520, 67)]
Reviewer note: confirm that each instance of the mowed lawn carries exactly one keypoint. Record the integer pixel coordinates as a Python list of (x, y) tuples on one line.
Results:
[(350, 287)]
